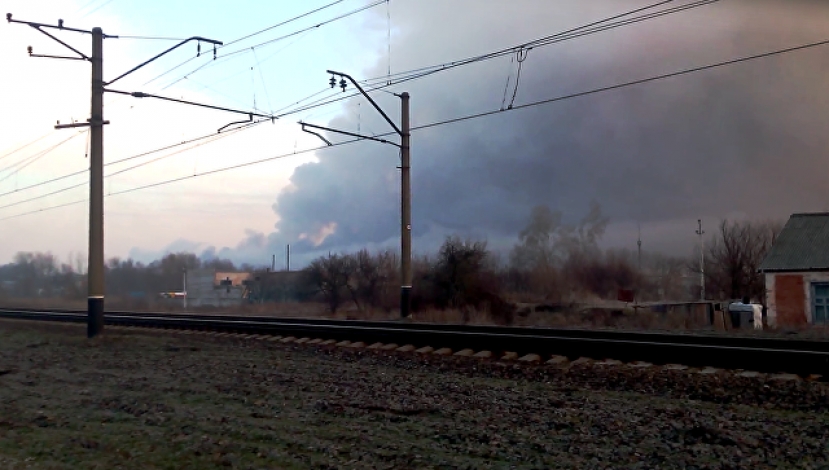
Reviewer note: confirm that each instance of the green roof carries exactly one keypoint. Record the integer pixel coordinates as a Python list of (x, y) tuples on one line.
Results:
[(803, 245)]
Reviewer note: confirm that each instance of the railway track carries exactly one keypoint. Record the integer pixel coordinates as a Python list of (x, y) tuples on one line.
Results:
[(768, 355)]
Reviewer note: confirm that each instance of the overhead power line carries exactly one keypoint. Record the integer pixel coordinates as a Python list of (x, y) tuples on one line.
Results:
[(458, 119), (605, 24), (25, 146), (16, 167), (615, 21), (626, 84), (151, 38), (283, 23), (211, 137), (225, 56), (612, 22)]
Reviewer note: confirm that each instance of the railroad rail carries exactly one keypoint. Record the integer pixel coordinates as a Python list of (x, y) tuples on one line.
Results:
[(761, 354)]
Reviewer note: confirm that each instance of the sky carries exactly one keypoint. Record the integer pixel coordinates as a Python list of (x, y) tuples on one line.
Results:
[(736, 142)]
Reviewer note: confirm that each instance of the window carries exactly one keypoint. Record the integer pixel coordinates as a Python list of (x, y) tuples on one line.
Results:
[(820, 303)]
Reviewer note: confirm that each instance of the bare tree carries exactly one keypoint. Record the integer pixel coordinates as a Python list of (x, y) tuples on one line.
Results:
[(548, 249), (373, 276), (734, 256), (332, 276)]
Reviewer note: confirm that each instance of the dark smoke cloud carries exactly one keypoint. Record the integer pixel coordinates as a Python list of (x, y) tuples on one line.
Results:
[(747, 139)]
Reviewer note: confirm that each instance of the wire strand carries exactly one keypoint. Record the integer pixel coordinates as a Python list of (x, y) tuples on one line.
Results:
[(590, 28), (455, 120), (31, 159), (261, 44), (284, 22), (125, 170), (151, 38), (26, 145), (115, 162)]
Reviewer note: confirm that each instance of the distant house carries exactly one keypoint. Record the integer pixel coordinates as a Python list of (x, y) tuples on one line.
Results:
[(797, 272), (209, 288)]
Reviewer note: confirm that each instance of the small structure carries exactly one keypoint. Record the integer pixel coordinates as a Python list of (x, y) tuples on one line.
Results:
[(797, 273), (208, 288), (745, 314)]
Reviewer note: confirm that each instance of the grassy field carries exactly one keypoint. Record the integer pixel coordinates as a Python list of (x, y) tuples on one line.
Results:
[(171, 401)]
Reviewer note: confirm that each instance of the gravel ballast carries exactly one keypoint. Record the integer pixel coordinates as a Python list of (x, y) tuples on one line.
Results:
[(167, 400)]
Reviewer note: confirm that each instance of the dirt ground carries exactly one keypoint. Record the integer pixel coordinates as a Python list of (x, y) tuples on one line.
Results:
[(163, 400)]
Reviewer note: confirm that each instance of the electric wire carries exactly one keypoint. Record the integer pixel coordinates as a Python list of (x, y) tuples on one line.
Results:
[(587, 29), (323, 101), (267, 29), (26, 145), (627, 84), (215, 138), (235, 74), (521, 56), (282, 23), (326, 100), (139, 165), (231, 54), (506, 85), (572, 33), (107, 2), (579, 31), (115, 162), (16, 167), (151, 38), (262, 77), (456, 120)]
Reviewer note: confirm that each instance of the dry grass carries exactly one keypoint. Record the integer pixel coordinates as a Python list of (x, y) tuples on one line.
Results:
[(597, 317)]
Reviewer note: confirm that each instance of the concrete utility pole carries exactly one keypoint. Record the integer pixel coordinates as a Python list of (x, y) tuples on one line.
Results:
[(405, 212), (700, 232), (95, 301), (405, 180)]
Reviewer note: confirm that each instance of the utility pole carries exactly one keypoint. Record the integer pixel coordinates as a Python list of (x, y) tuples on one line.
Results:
[(273, 262), (184, 283), (405, 211), (405, 180), (96, 122), (700, 232), (288, 258), (95, 301), (639, 248)]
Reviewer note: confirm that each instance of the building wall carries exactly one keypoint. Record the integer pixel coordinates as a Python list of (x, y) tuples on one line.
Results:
[(789, 297), (771, 302), (790, 300), (202, 290)]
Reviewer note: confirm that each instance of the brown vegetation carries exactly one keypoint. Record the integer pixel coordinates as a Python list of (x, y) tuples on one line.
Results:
[(555, 268)]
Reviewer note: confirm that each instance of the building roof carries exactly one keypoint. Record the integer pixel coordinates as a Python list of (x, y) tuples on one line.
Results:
[(803, 245)]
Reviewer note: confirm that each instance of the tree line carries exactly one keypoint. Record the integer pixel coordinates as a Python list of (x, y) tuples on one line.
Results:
[(552, 262)]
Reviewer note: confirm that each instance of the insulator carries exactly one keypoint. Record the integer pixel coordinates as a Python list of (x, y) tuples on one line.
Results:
[(333, 81), (60, 23), (29, 48), (214, 52), (343, 84), (198, 49)]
